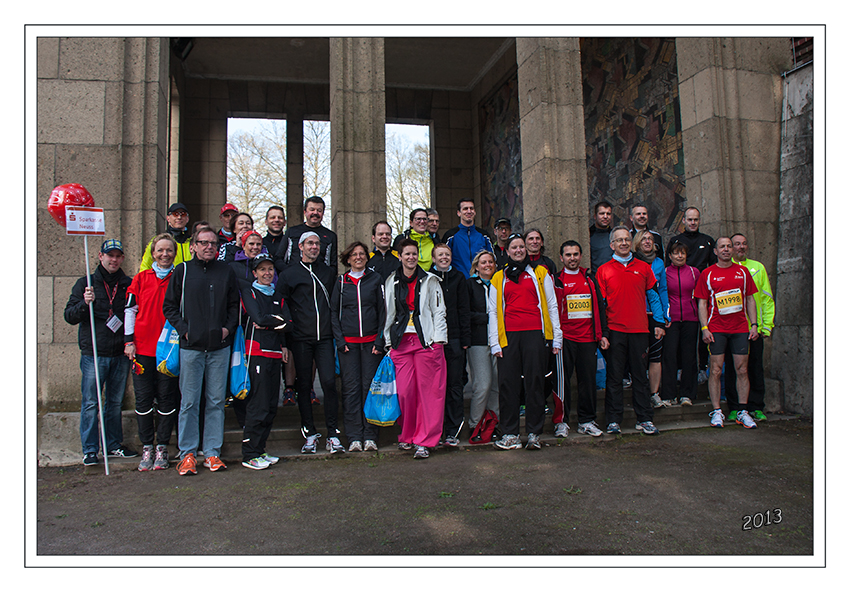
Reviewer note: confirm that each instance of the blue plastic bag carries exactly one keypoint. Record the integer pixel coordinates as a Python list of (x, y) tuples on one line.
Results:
[(600, 370), (240, 380), (381, 407), (168, 351)]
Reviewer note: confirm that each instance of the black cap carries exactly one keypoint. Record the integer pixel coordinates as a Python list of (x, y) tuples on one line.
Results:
[(255, 262), (178, 206), (501, 220)]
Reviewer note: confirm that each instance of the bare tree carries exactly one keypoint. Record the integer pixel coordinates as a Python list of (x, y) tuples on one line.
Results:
[(408, 179), (317, 163), (256, 170)]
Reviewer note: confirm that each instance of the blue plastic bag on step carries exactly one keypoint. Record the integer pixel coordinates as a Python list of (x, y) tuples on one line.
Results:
[(381, 407)]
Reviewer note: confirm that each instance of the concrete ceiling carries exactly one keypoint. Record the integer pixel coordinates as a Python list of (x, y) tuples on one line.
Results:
[(450, 63)]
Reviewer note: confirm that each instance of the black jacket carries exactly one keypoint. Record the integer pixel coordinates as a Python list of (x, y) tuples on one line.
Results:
[(289, 252), (383, 263), (359, 310), (307, 287), (259, 308), (456, 294), (501, 255), (210, 298), (109, 344), (700, 249), (478, 314)]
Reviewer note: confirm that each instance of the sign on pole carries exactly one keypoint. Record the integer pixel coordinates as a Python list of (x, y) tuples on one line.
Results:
[(82, 220)]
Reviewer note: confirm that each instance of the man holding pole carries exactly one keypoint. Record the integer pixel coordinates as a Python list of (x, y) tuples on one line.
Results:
[(102, 298)]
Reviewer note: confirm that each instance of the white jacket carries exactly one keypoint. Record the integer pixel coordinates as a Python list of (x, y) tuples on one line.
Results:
[(432, 310)]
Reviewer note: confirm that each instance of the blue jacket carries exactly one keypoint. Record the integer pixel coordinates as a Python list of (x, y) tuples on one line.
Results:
[(465, 242)]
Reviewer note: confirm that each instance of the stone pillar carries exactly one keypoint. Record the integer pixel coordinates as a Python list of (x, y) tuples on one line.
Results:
[(731, 100), (358, 118), (294, 170), (102, 122), (554, 177)]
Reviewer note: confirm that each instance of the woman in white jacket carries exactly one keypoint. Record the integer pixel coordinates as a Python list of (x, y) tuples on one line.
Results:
[(524, 324), (415, 330)]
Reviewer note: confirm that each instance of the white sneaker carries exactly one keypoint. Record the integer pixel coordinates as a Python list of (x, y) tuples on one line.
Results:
[(355, 446), (370, 445), (716, 418), (257, 464), (508, 442), (310, 445), (684, 401), (333, 445), (562, 430), (655, 399), (272, 460), (746, 420), (589, 428)]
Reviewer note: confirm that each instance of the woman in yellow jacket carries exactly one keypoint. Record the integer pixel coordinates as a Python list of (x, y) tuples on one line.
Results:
[(524, 324)]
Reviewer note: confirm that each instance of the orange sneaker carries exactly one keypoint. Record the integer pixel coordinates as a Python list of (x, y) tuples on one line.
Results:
[(213, 463), (187, 465)]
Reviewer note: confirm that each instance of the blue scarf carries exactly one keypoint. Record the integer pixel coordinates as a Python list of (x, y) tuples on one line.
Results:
[(267, 290), (623, 260), (160, 272)]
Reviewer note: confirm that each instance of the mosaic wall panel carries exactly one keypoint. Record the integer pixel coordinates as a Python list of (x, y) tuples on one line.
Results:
[(633, 128), (501, 162)]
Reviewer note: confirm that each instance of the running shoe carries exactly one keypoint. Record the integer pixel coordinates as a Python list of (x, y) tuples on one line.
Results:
[(370, 445), (313, 398), (90, 458), (508, 442), (161, 461), (733, 416), (272, 460), (685, 402), (522, 410), (451, 441), (147, 458), (421, 452), (123, 452), (589, 428), (702, 377), (257, 464), (647, 427), (613, 428), (333, 445), (562, 430), (533, 442), (213, 463), (759, 415), (745, 420), (627, 383), (405, 446), (716, 418), (288, 397), (187, 465), (656, 401), (356, 446), (310, 445)]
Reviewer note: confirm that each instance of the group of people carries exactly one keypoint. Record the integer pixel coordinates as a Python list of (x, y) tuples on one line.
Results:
[(461, 312)]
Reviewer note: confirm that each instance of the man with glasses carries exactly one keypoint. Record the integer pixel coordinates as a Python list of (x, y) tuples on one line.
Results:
[(202, 304), (418, 233), (434, 225), (178, 227), (502, 229)]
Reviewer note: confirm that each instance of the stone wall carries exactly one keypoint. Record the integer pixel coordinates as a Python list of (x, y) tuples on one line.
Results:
[(792, 340)]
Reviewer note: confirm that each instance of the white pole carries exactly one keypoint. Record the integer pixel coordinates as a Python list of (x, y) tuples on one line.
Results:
[(96, 371)]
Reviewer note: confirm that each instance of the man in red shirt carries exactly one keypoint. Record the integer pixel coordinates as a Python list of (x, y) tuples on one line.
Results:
[(723, 290), (624, 283), (578, 311)]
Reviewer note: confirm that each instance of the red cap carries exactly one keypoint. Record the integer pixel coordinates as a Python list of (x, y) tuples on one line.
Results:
[(227, 208)]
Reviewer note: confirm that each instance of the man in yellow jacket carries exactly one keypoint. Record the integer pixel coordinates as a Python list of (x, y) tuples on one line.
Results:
[(765, 314), (178, 227)]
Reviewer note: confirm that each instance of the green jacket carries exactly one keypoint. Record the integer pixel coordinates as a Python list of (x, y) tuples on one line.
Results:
[(764, 298)]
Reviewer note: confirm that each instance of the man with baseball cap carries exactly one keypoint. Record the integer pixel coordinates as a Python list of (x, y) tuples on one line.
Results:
[(107, 293), (502, 230), (228, 210), (178, 227)]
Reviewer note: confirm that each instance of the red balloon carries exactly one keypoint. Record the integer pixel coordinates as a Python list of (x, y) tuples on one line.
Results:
[(71, 194)]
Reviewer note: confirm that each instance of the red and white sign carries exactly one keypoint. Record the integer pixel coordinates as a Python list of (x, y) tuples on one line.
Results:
[(81, 220)]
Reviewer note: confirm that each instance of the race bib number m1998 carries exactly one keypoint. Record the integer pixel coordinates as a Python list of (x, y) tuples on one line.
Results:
[(729, 302)]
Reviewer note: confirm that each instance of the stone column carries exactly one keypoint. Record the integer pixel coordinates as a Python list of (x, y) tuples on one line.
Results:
[(554, 177), (730, 96), (294, 170), (358, 118)]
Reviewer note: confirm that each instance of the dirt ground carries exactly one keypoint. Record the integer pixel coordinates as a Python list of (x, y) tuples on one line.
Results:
[(685, 492)]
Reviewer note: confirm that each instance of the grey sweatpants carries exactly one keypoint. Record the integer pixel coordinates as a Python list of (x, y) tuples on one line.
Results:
[(485, 383)]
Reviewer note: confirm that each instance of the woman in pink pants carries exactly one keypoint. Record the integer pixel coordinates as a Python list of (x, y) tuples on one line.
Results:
[(415, 330)]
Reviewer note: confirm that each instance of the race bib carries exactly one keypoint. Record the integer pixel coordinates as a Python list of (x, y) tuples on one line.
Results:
[(729, 302), (579, 306)]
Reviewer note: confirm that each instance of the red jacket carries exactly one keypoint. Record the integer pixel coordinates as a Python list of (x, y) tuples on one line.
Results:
[(577, 329)]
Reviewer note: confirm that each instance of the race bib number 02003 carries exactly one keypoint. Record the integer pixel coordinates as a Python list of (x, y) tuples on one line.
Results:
[(579, 306)]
